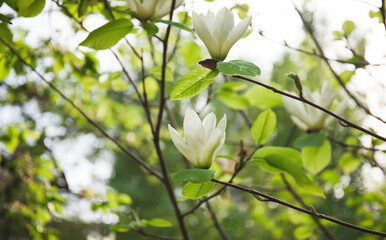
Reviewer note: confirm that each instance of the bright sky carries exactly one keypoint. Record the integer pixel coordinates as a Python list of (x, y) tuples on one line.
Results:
[(278, 20)]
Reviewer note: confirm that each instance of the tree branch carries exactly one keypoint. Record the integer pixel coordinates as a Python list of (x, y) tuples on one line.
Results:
[(216, 222), (156, 135), (351, 124), (269, 198)]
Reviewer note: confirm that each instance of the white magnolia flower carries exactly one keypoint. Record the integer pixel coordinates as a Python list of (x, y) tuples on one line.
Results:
[(219, 32), (149, 9), (203, 139), (309, 118)]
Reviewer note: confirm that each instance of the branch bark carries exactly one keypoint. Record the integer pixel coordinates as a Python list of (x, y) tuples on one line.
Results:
[(268, 198)]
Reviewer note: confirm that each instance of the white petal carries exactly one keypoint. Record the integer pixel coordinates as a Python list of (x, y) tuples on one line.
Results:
[(295, 107), (223, 25), (146, 9), (181, 145), (194, 132), (327, 95), (132, 6), (299, 123), (222, 124), (207, 154), (210, 19), (163, 7), (209, 124), (201, 26), (237, 33)]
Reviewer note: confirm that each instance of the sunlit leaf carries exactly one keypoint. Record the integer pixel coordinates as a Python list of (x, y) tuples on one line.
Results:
[(281, 159), (192, 83), (108, 35), (158, 222), (238, 67), (316, 159), (264, 126), (194, 175), (197, 190), (309, 140)]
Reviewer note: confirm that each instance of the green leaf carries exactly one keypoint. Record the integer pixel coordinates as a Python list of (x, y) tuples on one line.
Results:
[(337, 35), (264, 126), (124, 199), (26, 8), (238, 67), (174, 24), (152, 87), (120, 228), (192, 83), (151, 28), (264, 98), (348, 163), (346, 76), (233, 100), (233, 86), (194, 175), (108, 35), (281, 159), (11, 139), (5, 18), (348, 26), (191, 53), (6, 35), (303, 232), (158, 222), (156, 71), (331, 176), (309, 140), (316, 158), (197, 190)]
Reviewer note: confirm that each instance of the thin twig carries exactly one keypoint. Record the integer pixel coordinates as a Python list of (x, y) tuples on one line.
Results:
[(346, 145), (246, 118), (319, 215), (347, 122), (285, 44), (92, 122), (216, 222)]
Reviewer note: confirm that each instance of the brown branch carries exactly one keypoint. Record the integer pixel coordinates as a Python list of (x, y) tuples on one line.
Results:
[(107, 5), (156, 134), (309, 29), (383, 14), (246, 118), (216, 222), (347, 122), (269, 198), (92, 122), (346, 145)]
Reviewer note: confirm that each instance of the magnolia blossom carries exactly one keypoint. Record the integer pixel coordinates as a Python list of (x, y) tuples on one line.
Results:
[(309, 118), (149, 9), (203, 139), (219, 32)]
